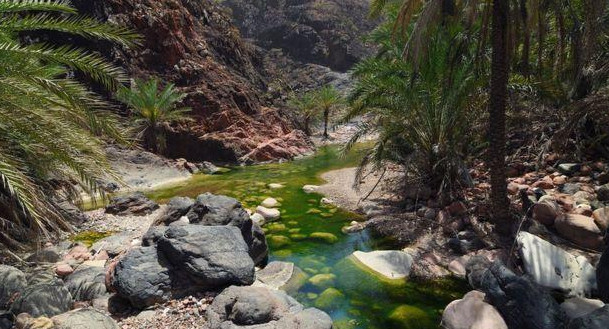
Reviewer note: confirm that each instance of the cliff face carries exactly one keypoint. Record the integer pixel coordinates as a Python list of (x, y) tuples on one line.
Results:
[(193, 44), (325, 32)]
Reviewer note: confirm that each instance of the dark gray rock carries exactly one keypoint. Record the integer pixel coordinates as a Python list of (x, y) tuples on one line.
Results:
[(6, 320), (142, 276), (570, 188), (12, 282), (569, 168), (84, 318), (208, 168), (522, 303), (598, 319), (153, 235), (114, 244), (186, 259), (218, 210), (87, 283), (603, 193), (176, 208), (259, 307), (43, 299), (213, 256), (46, 255), (70, 212), (133, 204), (602, 276)]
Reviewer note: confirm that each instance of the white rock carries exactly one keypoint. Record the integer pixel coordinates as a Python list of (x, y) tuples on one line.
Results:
[(94, 263), (392, 264), (136, 242), (269, 214), (258, 219), (554, 268), (472, 312), (326, 201), (270, 203), (184, 220), (310, 188), (577, 306), (274, 186)]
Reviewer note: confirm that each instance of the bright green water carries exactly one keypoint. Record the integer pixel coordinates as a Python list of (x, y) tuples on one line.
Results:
[(353, 297)]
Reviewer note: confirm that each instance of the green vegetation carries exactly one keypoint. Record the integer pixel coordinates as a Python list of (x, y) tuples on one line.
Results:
[(152, 108), (51, 125), (318, 105)]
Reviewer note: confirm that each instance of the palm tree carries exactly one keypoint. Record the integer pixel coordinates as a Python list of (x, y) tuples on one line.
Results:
[(328, 100), (50, 124), (152, 108), (497, 107), (307, 107)]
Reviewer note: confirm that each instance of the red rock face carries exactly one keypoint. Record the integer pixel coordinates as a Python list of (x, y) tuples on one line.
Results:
[(194, 45)]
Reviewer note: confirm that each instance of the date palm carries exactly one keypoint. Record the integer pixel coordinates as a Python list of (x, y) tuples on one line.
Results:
[(153, 107), (51, 125), (328, 101)]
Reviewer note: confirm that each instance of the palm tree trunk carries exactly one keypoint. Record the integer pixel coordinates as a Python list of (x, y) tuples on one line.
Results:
[(307, 125), (326, 119), (526, 47), (497, 108)]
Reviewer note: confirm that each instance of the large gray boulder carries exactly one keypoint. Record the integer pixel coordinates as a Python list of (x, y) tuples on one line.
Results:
[(554, 268), (132, 204), (212, 256), (522, 303), (12, 282), (186, 259), (142, 276), (259, 307), (114, 244), (213, 210), (43, 299), (598, 319), (281, 275), (84, 318), (87, 283)]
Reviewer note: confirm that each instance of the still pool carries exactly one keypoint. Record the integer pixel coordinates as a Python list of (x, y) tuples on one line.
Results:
[(309, 235)]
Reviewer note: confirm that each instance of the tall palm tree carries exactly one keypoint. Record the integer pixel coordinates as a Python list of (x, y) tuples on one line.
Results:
[(306, 106), (497, 107), (50, 123), (152, 108)]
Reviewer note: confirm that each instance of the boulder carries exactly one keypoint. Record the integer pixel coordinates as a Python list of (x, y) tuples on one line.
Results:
[(270, 203), (114, 244), (568, 168), (601, 218), (258, 219), (84, 318), (208, 168), (214, 210), (43, 299), (87, 283), (597, 319), (570, 188), (46, 255), (391, 264), (249, 307), (176, 208), (522, 303), (580, 230), (603, 193), (187, 259), (472, 312), (12, 282), (132, 204), (602, 276), (554, 268), (269, 214), (281, 275), (546, 212), (577, 306)]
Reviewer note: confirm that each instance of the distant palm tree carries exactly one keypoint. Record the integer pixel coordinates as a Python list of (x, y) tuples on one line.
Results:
[(306, 106), (153, 107), (50, 124), (328, 100)]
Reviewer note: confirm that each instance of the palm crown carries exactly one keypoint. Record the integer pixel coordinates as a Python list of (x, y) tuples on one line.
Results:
[(48, 121)]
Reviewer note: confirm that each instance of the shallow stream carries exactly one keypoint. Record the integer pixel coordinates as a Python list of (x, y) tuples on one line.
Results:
[(309, 235)]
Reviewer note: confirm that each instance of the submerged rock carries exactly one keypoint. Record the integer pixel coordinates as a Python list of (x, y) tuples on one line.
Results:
[(270, 203), (329, 299), (248, 307), (391, 264), (269, 214), (281, 275), (410, 317), (324, 237)]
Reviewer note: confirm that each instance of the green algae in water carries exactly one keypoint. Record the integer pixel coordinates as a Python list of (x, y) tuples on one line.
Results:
[(367, 302), (88, 238)]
